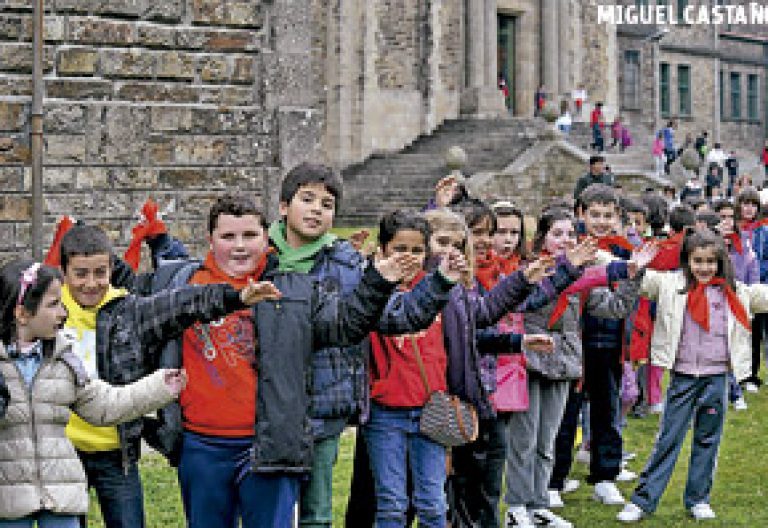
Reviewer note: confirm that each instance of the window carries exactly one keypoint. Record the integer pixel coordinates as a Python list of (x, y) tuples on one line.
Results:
[(681, 5), (641, 3), (630, 87), (753, 101), (736, 95), (722, 95), (684, 89), (664, 89)]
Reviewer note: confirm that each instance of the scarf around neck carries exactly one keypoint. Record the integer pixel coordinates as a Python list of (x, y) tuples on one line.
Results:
[(211, 273), (698, 305), (300, 259)]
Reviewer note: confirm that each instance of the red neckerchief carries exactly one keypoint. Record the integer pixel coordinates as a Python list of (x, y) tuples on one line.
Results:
[(754, 224), (53, 258), (561, 305), (149, 226), (736, 243), (698, 306), (210, 273), (487, 270), (668, 257), (607, 242), (509, 265)]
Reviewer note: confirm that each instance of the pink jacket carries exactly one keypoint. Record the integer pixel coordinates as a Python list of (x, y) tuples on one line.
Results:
[(658, 147)]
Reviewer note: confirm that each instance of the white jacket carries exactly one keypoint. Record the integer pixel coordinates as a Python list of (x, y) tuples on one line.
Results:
[(668, 290)]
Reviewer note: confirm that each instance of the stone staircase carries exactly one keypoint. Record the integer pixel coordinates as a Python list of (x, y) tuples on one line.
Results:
[(406, 179)]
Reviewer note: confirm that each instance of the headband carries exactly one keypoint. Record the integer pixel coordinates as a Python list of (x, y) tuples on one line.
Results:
[(28, 278)]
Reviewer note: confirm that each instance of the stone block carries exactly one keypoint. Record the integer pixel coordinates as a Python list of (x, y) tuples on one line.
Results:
[(124, 133), (152, 35), (11, 179), (99, 31), (11, 26), (246, 14), (156, 92), (133, 178), (78, 89), (244, 70), (15, 208), (58, 178), (54, 29), (12, 115), (134, 63), (201, 150), (16, 86), (175, 65), (77, 61), (165, 11), (233, 96), (122, 8), (217, 40), (79, 205), (73, 6), (17, 57), (64, 119), (64, 149), (24, 235), (7, 236), (170, 119), (214, 69), (209, 12), (15, 149), (91, 178), (160, 150)]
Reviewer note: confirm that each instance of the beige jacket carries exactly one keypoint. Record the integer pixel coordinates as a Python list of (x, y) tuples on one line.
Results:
[(39, 468), (665, 288)]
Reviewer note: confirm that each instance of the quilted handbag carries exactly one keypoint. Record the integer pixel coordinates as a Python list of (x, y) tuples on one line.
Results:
[(445, 419), (511, 384)]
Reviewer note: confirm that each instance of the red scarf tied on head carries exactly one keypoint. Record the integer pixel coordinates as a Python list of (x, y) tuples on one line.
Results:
[(698, 306), (150, 225), (53, 258)]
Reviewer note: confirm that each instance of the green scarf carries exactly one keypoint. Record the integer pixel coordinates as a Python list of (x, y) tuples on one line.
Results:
[(300, 259)]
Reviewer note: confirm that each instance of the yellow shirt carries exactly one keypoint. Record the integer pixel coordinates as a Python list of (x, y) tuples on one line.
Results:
[(84, 436)]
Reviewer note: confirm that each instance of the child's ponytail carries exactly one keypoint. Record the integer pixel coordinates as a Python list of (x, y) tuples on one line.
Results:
[(12, 294)]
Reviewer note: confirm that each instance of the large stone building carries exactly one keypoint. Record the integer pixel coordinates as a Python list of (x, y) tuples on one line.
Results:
[(182, 99)]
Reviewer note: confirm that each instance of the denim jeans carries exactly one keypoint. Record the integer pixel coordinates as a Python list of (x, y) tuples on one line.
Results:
[(317, 492), (120, 495), (702, 399), (219, 489), (566, 437), (43, 520), (393, 439)]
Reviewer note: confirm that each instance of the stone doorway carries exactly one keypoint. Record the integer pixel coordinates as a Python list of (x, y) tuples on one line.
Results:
[(506, 57)]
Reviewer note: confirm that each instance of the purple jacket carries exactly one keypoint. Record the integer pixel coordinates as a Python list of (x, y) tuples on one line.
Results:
[(746, 268), (468, 311)]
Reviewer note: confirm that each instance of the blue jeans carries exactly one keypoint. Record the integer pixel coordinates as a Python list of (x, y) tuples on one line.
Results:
[(393, 439), (121, 498), (702, 399), (43, 520), (218, 487)]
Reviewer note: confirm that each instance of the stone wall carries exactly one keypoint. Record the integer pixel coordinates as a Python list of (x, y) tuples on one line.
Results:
[(180, 100)]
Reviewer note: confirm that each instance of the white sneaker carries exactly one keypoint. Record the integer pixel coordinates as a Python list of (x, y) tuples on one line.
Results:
[(626, 476), (740, 405), (751, 387), (571, 485), (628, 456), (555, 500), (630, 513), (517, 516), (702, 512), (583, 456), (607, 493), (543, 517), (656, 408)]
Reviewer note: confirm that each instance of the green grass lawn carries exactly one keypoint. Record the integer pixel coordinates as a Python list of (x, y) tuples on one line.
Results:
[(739, 496)]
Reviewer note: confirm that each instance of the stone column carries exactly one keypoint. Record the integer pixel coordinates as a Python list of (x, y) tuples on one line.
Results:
[(475, 43), (481, 96), (550, 48), (491, 43)]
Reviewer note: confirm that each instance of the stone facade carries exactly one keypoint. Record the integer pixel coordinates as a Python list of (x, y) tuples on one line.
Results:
[(179, 100)]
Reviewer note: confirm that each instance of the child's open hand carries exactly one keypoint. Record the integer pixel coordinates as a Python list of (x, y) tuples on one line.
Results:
[(582, 253), (539, 343), (539, 268), (396, 267), (455, 266), (175, 380), (256, 292), (641, 257)]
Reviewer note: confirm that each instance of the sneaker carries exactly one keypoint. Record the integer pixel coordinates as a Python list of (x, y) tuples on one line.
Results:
[(740, 405), (751, 387), (543, 517), (630, 513), (702, 512), (517, 516), (626, 475), (583, 455), (555, 500), (626, 456), (656, 408), (571, 485), (606, 492)]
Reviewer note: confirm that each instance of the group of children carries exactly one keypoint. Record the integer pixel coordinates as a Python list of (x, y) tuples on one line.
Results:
[(258, 356)]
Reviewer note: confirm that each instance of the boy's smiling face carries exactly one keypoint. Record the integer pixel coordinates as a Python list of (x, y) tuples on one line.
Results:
[(407, 242), (87, 278), (237, 243), (309, 214), (601, 219), (481, 237)]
